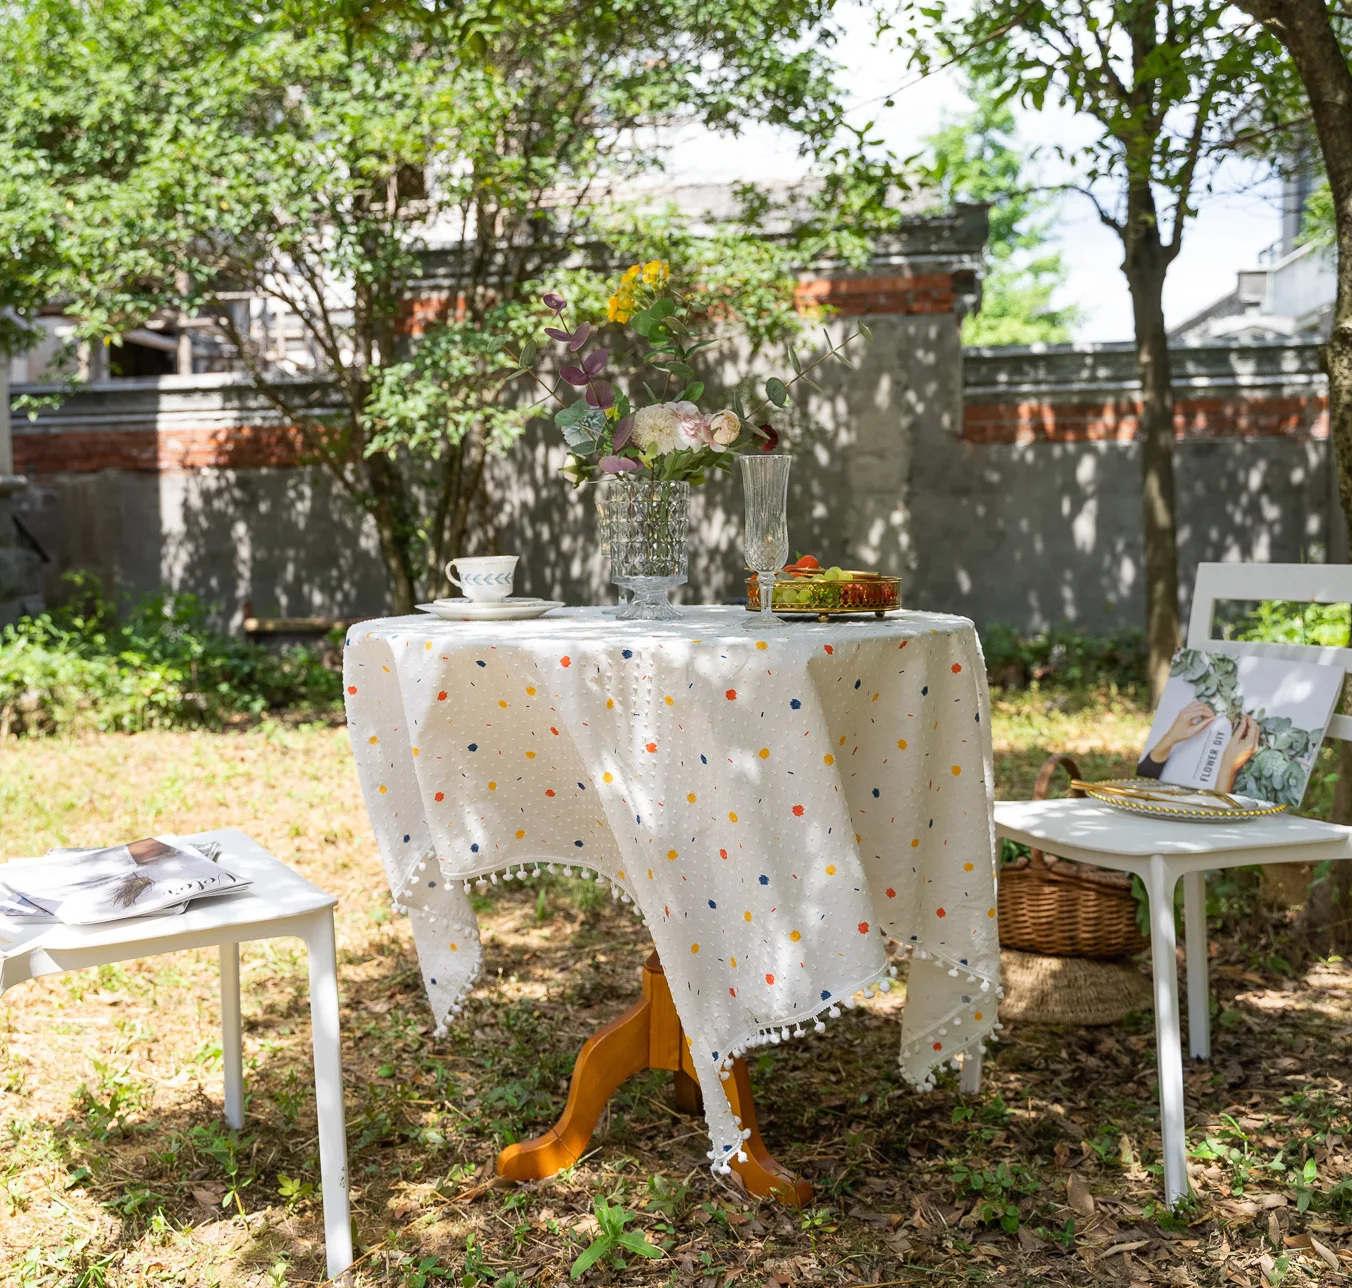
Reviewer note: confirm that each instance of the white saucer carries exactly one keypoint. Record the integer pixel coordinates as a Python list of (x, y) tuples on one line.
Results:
[(512, 609)]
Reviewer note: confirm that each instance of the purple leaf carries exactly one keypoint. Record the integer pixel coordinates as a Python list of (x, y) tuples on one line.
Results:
[(594, 361), (601, 394), (575, 376), (555, 302), (579, 337), (624, 431), (618, 465), (554, 333)]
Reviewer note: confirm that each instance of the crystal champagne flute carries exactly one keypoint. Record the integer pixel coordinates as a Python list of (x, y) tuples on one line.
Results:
[(765, 538)]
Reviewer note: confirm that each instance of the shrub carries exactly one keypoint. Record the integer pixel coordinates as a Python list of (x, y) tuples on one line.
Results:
[(157, 664), (1063, 655), (1281, 621)]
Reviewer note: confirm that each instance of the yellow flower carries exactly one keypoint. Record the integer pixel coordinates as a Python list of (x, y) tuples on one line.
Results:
[(655, 273), (631, 273), (620, 307)]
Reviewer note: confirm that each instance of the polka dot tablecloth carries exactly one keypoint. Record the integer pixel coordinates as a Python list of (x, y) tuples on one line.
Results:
[(776, 804)]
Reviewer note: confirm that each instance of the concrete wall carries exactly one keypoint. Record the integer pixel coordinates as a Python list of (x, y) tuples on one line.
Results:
[(193, 482), (1032, 514), (1003, 484)]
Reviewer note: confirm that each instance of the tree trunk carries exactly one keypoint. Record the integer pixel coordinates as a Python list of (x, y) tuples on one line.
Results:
[(390, 507), (1146, 264), (1305, 28)]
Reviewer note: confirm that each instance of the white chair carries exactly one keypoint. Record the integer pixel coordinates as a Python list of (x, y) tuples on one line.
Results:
[(278, 903), (1160, 852)]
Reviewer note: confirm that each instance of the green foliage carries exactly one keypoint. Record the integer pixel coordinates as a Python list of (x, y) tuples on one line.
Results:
[(976, 158), (613, 1240), (162, 155), (1063, 656), (1318, 223), (666, 1197), (1164, 83), (997, 1190), (1279, 621), (158, 664)]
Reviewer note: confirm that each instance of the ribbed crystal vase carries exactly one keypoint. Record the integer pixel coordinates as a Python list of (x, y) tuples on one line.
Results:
[(645, 528)]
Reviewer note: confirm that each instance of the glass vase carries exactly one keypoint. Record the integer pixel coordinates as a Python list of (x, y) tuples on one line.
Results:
[(644, 528)]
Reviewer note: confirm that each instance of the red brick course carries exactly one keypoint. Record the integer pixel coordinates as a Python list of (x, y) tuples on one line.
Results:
[(83, 451), (1118, 419), (851, 297), (905, 296)]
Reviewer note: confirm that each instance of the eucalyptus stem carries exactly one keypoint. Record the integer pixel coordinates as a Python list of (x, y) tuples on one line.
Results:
[(831, 352)]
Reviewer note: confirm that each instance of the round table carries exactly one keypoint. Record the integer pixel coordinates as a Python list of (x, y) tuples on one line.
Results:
[(778, 804)]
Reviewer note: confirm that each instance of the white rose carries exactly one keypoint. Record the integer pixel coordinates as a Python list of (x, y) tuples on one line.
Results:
[(657, 428), (725, 426)]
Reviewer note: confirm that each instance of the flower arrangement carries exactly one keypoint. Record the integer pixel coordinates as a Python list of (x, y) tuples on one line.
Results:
[(657, 430)]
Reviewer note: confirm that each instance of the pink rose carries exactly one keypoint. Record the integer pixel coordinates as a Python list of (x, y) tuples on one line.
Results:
[(693, 423)]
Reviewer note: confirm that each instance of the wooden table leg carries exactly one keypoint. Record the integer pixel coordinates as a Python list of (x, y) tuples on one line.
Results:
[(609, 1056), (647, 1036)]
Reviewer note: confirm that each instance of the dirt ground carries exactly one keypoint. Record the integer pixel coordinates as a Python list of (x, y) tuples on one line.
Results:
[(117, 1167)]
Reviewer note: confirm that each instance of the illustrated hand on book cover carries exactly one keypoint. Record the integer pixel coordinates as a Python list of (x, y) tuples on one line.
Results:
[(1248, 725)]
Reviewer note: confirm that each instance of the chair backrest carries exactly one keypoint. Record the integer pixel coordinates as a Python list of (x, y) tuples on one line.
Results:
[(1312, 583)]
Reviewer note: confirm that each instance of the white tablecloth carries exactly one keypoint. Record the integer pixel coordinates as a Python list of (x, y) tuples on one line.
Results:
[(776, 804)]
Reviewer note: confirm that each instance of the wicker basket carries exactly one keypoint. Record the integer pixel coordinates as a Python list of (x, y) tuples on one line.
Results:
[(1069, 990), (1058, 908)]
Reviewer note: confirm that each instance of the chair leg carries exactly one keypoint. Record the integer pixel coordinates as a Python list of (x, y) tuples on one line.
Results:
[(1194, 938), (232, 1037), (1164, 962), (329, 1091), (969, 1081)]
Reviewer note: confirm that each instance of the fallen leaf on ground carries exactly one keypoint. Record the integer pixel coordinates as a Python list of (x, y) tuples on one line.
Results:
[(1078, 1197), (1325, 1254)]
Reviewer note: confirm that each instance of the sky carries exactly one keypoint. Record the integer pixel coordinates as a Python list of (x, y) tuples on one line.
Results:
[(1238, 220)]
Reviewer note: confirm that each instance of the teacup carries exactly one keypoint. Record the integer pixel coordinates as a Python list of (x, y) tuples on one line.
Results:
[(484, 578)]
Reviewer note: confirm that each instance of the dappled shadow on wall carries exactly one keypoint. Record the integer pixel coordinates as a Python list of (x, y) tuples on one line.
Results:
[(1034, 534), (285, 540)]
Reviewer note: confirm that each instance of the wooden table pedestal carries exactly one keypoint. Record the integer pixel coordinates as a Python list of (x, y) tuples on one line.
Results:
[(647, 1036)]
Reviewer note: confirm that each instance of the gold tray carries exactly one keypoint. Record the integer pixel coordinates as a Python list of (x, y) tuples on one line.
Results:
[(853, 595), (1150, 796)]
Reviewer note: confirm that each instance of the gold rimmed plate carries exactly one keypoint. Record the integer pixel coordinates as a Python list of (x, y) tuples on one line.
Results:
[(1181, 804)]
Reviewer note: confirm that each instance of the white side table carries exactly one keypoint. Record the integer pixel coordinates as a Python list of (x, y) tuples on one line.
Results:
[(278, 903)]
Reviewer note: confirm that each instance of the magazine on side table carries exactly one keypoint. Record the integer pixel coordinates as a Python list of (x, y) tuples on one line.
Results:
[(1233, 738), (157, 875)]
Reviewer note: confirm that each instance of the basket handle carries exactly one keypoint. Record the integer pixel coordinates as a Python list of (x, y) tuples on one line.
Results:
[(1038, 862)]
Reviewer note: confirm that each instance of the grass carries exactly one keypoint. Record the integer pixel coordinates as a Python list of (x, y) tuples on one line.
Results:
[(117, 1169)]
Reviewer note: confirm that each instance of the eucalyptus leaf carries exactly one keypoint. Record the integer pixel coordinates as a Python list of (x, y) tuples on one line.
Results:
[(776, 392)]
